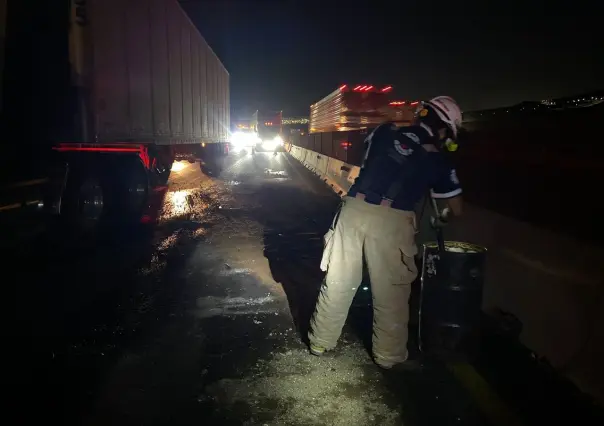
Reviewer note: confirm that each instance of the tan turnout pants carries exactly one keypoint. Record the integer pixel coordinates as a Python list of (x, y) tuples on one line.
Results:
[(386, 238)]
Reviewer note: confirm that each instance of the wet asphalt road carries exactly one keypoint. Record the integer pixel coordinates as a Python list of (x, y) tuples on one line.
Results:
[(199, 319)]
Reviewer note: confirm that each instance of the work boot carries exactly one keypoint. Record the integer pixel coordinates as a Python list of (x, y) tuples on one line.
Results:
[(406, 365), (317, 350), (409, 365)]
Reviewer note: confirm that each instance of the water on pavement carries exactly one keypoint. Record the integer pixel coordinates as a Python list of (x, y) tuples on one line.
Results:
[(201, 319)]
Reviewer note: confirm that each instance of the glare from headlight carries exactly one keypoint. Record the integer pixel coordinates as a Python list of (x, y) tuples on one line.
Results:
[(269, 145), (238, 138)]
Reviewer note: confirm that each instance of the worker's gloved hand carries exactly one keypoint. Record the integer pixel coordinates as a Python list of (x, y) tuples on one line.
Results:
[(442, 219)]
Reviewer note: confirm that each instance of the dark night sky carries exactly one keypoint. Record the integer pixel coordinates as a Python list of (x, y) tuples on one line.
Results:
[(287, 54)]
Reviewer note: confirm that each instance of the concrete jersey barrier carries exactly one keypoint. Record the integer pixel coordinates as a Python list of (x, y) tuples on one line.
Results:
[(552, 283)]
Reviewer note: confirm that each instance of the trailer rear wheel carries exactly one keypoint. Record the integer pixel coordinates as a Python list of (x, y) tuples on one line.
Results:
[(165, 158), (91, 200), (138, 190), (85, 199), (129, 189), (106, 190)]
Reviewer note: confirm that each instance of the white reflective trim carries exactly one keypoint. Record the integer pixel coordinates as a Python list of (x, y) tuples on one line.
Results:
[(368, 141), (447, 195), (427, 128)]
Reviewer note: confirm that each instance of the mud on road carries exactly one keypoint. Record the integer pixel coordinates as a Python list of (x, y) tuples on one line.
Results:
[(200, 319)]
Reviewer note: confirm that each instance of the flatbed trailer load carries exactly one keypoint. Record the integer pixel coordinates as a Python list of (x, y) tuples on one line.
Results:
[(340, 122), (358, 107), (120, 88)]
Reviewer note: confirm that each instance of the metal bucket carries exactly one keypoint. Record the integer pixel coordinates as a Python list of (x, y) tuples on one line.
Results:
[(451, 299)]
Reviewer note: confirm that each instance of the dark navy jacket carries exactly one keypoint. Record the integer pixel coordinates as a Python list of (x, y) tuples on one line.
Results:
[(398, 168)]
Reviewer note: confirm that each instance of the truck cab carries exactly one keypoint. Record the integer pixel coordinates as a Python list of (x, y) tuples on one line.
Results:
[(267, 126), (243, 136)]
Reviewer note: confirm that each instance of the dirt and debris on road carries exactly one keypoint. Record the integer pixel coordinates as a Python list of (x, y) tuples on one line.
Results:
[(292, 388), (201, 321), (235, 356)]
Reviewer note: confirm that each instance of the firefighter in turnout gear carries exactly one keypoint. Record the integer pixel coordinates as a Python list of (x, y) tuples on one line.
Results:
[(376, 223)]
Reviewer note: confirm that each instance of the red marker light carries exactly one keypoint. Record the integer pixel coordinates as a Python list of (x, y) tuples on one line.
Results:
[(357, 88), (342, 87), (362, 88), (368, 88), (414, 103), (387, 89)]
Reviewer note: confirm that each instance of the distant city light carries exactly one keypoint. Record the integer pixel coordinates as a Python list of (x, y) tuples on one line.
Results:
[(295, 120), (583, 101)]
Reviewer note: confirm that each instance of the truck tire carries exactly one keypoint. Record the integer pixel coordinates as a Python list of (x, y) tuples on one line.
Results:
[(129, 185), (84, 200), (165, 158), (105, 191), (213, 158)]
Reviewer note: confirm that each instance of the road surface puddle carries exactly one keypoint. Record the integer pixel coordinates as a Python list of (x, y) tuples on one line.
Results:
[(277, 173), (212, 306), (178, 203)]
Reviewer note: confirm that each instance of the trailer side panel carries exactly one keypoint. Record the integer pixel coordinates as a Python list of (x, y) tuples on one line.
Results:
[(139, 69), (153, 76), (160, 70), (187, 98), (195, 88), (110, 78)]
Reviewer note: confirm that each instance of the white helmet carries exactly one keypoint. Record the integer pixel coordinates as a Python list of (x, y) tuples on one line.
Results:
[(448, 111)]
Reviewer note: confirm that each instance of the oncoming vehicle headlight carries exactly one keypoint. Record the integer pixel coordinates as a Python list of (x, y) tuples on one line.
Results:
[(238, 138), (271, 144)]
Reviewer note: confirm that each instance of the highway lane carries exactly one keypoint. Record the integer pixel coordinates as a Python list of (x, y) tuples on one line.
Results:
[(200, 318)]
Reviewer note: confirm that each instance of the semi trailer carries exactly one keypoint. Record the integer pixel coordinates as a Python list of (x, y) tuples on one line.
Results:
[(111, 91)]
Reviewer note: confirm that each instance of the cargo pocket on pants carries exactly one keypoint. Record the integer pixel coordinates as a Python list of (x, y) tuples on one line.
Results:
[(328, 240), (328, 248), (407, 244)]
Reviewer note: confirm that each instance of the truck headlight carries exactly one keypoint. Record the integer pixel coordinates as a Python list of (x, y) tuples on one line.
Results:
[(238, 138), (269, 145)]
